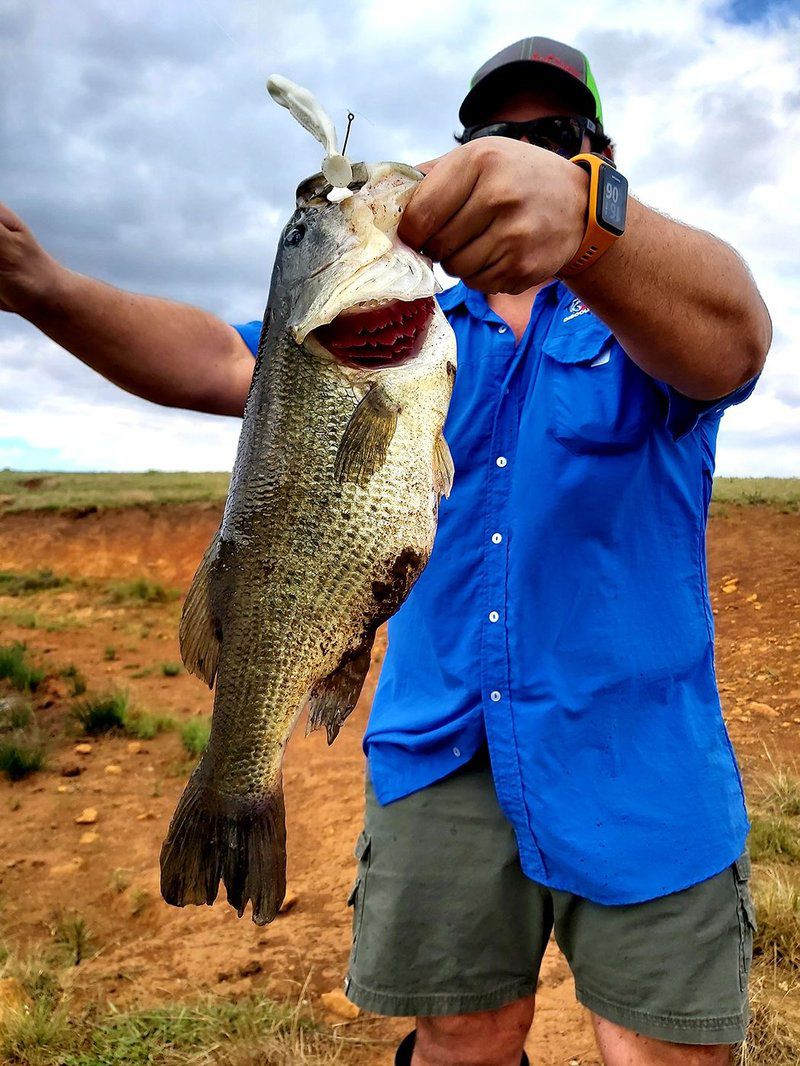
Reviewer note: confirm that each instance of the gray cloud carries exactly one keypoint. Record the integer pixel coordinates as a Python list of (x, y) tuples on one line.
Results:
[(140, 145)]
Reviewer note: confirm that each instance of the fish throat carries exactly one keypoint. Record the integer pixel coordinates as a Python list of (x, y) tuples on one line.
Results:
[(377, 333)]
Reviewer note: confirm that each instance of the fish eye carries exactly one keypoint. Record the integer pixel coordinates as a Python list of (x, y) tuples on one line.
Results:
[(295, 234)]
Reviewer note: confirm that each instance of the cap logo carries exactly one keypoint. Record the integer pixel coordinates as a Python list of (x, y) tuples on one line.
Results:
[(556, 61)]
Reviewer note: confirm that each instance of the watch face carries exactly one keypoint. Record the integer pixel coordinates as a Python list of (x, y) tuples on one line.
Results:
[(612, 200)]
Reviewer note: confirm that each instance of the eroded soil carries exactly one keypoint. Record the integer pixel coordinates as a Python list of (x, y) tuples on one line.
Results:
[(146, 952)]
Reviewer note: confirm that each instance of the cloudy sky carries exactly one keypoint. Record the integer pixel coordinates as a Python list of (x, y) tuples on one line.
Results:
[(140, 145)]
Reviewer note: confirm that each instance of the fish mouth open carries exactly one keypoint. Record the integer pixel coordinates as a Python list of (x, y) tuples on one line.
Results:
[(377, 334)]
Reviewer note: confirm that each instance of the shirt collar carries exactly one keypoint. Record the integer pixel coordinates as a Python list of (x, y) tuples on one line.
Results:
[(477, 304)]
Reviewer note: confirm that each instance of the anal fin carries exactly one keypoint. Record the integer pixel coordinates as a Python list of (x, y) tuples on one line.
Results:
[(199, 631), (362, 450), (333, 698)]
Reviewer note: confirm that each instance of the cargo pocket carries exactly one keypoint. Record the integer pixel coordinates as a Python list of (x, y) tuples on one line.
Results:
[(600, 401), (356, 897), (747, 917)]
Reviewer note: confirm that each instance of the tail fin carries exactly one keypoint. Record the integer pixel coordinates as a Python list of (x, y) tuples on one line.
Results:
[(238, 840)]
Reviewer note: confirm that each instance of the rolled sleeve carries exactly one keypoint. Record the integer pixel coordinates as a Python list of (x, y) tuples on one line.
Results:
[(250, 332), (683, 413)]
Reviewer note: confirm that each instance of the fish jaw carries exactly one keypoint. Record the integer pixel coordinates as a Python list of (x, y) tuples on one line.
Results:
[(376, 334), (374, 267)]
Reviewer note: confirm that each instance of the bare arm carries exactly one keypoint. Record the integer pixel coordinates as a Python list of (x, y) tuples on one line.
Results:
[(164, 351), (506, 216), (681, 303)]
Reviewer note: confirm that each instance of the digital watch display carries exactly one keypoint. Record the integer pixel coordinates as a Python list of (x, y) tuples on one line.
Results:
[(606, 213), (612, 199)]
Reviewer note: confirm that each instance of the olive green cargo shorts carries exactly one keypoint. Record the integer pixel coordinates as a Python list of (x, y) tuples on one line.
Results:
[(445, 922)]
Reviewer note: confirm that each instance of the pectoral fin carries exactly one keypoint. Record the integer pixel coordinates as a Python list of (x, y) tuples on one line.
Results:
[(199, 631), (443, 469), (366, 440)]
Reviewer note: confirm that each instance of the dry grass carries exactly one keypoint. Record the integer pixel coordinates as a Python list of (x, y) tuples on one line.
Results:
[(774, 837), (779, 792), (47, 1029), (773, 1036), (776, 892)]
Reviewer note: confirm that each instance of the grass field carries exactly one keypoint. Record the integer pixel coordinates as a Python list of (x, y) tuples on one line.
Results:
[(42, 490)]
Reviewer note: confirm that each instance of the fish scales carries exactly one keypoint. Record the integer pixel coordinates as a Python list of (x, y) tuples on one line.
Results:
[(330, 519)]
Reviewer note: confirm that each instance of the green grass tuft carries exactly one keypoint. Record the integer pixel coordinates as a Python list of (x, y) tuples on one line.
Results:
[(21, 754), (111, 712), (15, 713), (142, 590), (104, 713), (36, 1036), (12, 584), (15, 668), (195, 734), (145, 726), (71, 933), (171, 669)]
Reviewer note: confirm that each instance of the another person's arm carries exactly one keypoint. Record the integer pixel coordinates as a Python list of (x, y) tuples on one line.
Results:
[(164, 351), (505, 216)]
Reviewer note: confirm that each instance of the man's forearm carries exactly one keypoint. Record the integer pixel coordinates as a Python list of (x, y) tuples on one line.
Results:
[(167, 352), (681, 303)]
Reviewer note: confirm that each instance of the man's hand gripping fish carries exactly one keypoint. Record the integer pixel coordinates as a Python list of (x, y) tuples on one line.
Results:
[(331, 513)]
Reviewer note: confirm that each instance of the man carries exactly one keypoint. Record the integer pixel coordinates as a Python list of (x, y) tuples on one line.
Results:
[(546, 749)]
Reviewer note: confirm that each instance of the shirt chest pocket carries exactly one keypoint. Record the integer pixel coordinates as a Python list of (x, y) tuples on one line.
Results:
[(599, 401)]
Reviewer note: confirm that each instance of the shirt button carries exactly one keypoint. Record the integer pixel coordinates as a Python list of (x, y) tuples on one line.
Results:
[(502, 329), (494, 616), (496, 538), (457, 752), (494, 696), (501, 460)]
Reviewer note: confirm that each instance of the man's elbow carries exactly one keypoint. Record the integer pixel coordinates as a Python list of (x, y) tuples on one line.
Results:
[(751, 343), (741, 356), (760, 340)]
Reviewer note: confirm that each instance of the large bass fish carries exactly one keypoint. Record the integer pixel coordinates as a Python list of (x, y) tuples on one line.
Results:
[(330, 520)]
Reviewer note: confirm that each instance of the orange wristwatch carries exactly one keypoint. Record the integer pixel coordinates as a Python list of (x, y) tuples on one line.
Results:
[(605, 218)]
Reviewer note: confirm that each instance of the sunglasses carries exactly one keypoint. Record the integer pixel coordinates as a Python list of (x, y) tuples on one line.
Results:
[(562, 134)]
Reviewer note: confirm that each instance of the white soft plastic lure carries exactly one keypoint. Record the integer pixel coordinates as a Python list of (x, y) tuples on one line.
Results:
[(304, 106)]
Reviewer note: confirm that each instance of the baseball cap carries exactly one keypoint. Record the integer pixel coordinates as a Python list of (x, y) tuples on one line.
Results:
[(533, 62)]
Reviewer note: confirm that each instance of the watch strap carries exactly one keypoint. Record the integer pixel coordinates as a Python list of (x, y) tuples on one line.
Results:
[(596, 239)]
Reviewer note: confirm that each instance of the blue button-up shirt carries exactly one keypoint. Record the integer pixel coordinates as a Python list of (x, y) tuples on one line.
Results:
[(564, 614)]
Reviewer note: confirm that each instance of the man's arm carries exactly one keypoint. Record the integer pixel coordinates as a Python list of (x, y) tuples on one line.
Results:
[(167, 352), (506, 216), (682, 304)]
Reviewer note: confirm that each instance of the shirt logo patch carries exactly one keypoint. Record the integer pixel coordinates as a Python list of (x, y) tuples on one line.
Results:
[(576, 308)]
